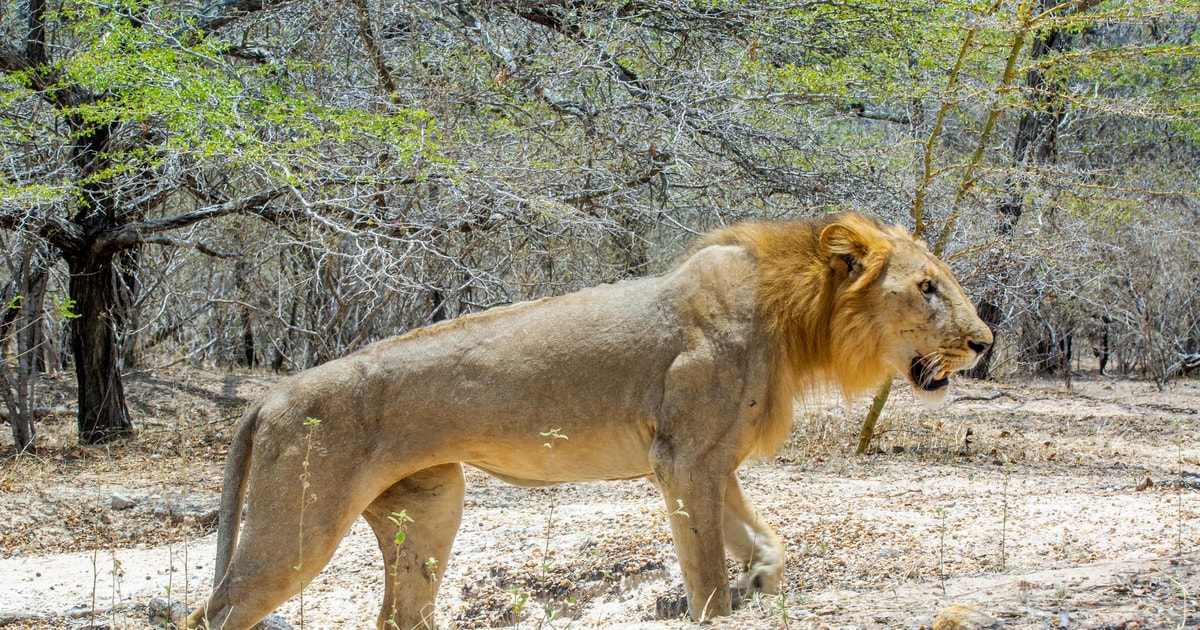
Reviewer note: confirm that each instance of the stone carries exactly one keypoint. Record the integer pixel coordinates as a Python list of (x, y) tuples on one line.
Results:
[(960, 617)]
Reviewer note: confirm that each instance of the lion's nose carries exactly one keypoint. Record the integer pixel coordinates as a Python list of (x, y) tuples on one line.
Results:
[(978, 346)]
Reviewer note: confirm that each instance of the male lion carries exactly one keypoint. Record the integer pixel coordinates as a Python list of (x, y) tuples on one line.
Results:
[(677, 378)]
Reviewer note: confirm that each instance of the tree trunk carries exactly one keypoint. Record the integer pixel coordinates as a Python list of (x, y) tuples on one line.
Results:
[(29, 351), (126, 321), (95, 306), (1035, 143), (248, 357), (103, 416), (25, 312), (867, 433), (1037, 131)]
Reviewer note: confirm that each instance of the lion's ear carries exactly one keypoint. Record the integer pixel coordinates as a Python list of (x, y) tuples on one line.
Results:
[(844, 244)]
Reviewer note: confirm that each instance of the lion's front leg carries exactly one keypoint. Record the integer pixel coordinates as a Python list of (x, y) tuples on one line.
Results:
[(752, 542), (699, 441), (694, 498)]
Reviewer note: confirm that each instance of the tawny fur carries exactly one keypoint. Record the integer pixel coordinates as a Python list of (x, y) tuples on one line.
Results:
[(677, 378)]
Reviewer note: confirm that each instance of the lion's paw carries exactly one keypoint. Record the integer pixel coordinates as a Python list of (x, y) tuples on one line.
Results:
[(761, 578), (674, 603)]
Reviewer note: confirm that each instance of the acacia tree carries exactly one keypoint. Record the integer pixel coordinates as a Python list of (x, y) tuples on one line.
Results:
[(135, 125)]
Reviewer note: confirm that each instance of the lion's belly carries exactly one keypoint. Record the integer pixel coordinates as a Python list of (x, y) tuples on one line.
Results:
[(529, 479), (559, 457)]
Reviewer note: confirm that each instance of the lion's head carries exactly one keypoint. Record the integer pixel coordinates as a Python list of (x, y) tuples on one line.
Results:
[(898, 299), (855, 303)]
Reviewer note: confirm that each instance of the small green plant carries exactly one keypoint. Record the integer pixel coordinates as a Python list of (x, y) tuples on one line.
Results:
[(521, 598), (548, 614), (781, 609), (64, 307), (401, 520), (553, 436), (1004, 517), (311, 425), (942, 548), (431, 566)]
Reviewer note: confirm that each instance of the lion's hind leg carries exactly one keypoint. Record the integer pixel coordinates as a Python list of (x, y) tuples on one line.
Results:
[(752, 542), (279, 551), (415, 522)]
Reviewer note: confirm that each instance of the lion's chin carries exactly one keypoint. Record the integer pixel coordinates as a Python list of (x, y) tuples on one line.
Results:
[(932, 399), (931, 385)]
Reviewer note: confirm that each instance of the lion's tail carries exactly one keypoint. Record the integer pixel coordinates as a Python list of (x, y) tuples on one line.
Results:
[(233, 489)]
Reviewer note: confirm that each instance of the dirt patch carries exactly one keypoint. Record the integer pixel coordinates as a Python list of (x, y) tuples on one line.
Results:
[(1037, 505)]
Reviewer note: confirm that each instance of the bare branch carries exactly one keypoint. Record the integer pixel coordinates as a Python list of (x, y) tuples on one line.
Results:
[(44, 220), (200, 247), (366, 31), (130, 234), (13, 60), (219, 14)]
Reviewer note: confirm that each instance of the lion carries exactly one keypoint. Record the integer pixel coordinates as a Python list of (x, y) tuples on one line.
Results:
[(678, 378)]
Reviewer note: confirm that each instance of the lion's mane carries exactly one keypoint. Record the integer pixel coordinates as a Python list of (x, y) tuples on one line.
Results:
[(826, 338)]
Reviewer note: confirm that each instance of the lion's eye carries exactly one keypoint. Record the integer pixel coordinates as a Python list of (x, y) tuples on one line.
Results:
[(928, 287)]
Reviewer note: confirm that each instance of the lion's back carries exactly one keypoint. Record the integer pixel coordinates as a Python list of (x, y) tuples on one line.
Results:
[(594, 358)]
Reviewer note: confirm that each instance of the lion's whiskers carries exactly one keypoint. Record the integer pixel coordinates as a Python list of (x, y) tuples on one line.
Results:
[(931, 365)]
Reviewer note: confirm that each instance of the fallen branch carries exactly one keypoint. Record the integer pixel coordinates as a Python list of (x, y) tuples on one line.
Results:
[(1185, 364), (38, 413), (992, 396)]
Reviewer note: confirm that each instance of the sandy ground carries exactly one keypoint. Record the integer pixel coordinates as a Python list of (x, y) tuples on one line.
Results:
[(1038, 505)]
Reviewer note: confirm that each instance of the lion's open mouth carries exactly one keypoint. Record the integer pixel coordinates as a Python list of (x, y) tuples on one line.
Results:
[(926, 375)]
